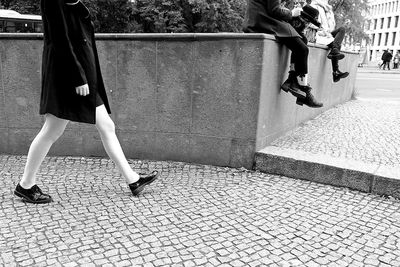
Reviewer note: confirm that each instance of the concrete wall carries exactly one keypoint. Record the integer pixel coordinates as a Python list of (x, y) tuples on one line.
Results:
[(205, 98)]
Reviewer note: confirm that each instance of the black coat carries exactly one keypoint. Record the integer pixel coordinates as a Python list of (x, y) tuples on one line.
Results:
[(269, 16), (70, 59), (388, 56)]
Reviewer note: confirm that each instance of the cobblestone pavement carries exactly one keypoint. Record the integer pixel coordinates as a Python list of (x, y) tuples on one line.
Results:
[(367, 131), (193, 215)]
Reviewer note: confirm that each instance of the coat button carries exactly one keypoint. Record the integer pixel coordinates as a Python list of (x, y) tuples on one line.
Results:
[(84, 40)]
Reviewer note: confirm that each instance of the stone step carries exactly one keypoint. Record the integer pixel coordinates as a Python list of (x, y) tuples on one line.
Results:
[(320, 168)]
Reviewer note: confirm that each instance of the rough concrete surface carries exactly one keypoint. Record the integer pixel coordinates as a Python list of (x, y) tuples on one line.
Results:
[(212, 98), (193, 215)]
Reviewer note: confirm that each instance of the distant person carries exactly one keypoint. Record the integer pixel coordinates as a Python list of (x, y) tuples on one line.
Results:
[(272, 17), (396, 60), (383, 58), (331, 36), (72, 90), (386, 59)]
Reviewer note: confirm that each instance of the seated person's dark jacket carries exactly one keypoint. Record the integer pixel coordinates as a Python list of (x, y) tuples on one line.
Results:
[(269, 16)]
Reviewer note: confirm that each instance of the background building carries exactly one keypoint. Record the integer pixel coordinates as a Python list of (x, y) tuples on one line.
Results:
[(383, 29)]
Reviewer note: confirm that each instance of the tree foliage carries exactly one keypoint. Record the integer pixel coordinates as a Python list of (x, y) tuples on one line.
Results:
[(354, 11), (189, 15), (164, 16), (22, 6)]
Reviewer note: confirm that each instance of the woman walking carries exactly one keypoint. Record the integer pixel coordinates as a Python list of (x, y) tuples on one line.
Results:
[(72, 90)]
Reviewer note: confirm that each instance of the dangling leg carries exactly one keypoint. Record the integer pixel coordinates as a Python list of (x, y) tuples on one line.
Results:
[(300, 87), (52, 129), (338, 34), (111, 144), (336, 73)]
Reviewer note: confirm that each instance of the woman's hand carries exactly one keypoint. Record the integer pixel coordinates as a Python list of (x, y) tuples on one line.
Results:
[(82, 90)]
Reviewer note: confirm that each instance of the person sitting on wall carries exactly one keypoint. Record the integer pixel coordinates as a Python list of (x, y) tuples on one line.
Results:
[(328, 35), (272, 17), (308, 15)]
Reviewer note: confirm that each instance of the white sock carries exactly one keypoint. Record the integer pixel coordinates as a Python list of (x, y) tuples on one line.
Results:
[(303, 79)]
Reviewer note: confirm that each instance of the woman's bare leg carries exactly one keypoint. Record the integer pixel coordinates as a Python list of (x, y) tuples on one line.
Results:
[(106, 128), (52, 129)]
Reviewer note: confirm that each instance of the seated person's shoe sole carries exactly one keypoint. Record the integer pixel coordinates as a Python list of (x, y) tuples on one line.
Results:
[(337, 56), (298, 94)]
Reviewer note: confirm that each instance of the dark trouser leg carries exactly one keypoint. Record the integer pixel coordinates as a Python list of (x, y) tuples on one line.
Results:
[(338, 34), (335, 64), (299, 53)]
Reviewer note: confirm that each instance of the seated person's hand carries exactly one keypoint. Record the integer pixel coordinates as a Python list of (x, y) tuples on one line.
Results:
[(296, 11)]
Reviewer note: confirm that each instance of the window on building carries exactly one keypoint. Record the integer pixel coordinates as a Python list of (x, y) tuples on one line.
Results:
[(382, 22), (389, 21), (372, 39), (386, 38), (375, 23), (396, 21), (393, 38), (379, 39)]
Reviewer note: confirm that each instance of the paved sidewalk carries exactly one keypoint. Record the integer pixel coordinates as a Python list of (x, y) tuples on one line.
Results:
[(375, 69), (193, 215), (355, 144)]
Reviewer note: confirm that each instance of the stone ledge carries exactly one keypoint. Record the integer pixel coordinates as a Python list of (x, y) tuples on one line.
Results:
[(166, 37), (153, 36), (320, 168)]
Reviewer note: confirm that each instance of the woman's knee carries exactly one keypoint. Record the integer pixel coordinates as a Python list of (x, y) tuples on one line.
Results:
[(53, 128)]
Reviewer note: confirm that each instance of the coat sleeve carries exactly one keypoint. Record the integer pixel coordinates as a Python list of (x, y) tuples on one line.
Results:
[(278, 11), (58, 35)]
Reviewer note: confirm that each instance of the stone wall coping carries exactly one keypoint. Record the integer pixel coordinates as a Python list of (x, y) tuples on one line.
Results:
[(165, 37)]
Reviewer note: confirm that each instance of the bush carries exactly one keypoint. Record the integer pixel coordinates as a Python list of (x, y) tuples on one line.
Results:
[(161, 16), (189, 15)]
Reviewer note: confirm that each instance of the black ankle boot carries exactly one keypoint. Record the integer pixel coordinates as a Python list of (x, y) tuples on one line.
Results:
[(309, 100), (335, 53), (337, 75), (292, 86)]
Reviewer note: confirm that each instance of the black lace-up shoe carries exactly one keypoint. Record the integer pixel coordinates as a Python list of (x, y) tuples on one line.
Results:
[(32, 195), (145, 179), (337, 75)]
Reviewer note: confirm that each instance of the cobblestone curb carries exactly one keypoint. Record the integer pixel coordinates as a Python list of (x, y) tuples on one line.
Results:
[(320, 168), (355, 145)]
